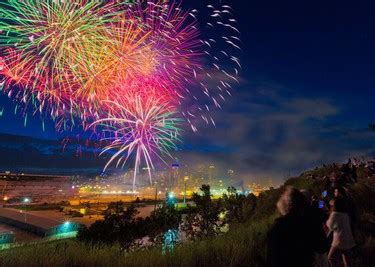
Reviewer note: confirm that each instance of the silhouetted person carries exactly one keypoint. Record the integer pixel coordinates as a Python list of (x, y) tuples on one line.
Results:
[(317, 216), (349, 206), (354, 174), (292, 241), (343, 240), (327, 182)]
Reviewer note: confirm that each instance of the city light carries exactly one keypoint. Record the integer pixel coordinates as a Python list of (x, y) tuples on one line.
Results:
[(169, 240), (170, 199)]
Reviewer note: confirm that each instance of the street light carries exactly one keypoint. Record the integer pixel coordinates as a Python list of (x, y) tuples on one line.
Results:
[(156, 194), (66, 225), (185, 179), (170, 199), (25, 201)]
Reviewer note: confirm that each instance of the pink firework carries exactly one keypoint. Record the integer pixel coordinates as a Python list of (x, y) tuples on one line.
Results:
[(142, 123)]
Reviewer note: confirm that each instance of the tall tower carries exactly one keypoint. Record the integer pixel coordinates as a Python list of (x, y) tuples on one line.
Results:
[(174, 175)]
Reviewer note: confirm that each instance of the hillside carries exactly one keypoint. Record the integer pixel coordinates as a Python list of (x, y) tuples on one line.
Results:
[(244, 245)]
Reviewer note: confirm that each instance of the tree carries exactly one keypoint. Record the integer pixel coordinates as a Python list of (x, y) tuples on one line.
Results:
[(115, 208), (164, 219), (204, 221), (238, 207), (120, 225)]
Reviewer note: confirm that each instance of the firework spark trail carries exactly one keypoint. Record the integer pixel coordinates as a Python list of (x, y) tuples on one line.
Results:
[(43, 33), (98, 54), (143, 124), (17, 79), (130, 71), (123, 56), (221, 45)]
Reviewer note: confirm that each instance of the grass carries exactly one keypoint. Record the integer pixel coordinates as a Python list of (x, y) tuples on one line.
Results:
[(243, 246)]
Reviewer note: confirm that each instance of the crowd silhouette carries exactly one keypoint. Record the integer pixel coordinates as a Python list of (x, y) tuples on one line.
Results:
[(315, 230)]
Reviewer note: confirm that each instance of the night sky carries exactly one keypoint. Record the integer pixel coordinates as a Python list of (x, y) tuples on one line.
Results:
[(305, 97)]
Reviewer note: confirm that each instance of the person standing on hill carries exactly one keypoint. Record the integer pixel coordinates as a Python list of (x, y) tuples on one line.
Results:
[(349, 206), (343, 240), (292, 239), (317, 217)]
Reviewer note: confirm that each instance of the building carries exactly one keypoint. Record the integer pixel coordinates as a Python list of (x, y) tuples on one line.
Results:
[(37, 188), (174, 175), (38, 225), (211, 174), (6, 238), (200, 176)]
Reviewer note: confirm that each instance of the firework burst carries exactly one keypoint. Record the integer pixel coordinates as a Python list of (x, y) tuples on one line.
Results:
[(130, 72), (143, 124)]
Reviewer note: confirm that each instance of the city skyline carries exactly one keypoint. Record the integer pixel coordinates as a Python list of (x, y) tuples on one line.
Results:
[(294, 108)]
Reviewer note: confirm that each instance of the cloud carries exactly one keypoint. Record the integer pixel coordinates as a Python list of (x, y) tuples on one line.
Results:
[(267, 132), (264, 131), (25, 154)]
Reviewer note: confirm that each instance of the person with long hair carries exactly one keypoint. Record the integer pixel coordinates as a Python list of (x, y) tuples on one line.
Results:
[(343, 240)]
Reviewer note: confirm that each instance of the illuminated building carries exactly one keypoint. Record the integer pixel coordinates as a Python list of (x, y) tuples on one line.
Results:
[(41, 226), (39, 188), (174, 175), (201, 176), (211, 174), (6, 238)]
